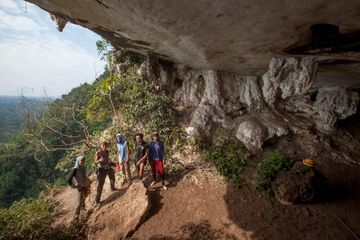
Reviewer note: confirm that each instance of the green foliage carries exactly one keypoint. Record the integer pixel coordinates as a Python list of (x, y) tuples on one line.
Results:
[(12, 113), (46, 146), (99, 108), (33, 219), (18, 173), (194, 143), (230, 157), (269, 168), (31, 157), (75, 230), (105, 50), (26, 219), (140, 105)]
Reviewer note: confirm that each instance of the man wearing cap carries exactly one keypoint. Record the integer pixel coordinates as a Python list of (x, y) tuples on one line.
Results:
[(122, 152), (157, 157), (83, 183)]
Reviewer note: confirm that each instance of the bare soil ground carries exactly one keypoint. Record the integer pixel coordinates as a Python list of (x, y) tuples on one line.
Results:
[(199, 205), (190, 211)]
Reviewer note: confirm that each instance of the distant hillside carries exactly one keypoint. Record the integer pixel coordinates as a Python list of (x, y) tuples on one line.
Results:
[(12, 114)]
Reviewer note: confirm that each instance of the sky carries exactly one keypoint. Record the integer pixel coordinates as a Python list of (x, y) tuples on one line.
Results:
[(36, 59)]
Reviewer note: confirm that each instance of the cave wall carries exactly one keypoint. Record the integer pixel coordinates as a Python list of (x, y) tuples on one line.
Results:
[(256, 70), (285, 100)]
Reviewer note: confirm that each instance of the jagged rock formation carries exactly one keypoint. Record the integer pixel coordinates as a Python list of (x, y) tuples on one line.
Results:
[(60, 22), (257, 109), (287, 77), (214, 60)]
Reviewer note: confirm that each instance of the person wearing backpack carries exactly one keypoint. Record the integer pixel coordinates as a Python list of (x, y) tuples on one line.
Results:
[(122, 153), (104, 168), (83, 183), (157, 157)]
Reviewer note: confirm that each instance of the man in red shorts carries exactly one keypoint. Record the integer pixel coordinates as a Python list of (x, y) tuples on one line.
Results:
[(157, 157)]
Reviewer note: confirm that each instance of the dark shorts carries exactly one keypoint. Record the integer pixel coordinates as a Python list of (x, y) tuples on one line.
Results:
[(136, 161)]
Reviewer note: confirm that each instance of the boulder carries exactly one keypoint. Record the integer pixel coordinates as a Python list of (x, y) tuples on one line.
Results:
[(254, 131), (119, 215), (252, 134), (333, 104), (300, 184)]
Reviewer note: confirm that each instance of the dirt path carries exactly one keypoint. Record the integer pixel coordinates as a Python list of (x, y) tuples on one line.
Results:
[(199, 205), (188, 211)]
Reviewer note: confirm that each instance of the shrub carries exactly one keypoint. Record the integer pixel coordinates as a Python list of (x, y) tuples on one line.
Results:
[(194, 144), (229, 157), (26, 219), (141, 107), (33, 219), (269, 168)]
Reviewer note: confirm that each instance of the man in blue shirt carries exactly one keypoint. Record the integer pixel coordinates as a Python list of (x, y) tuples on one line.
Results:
[(157, 157), (122, 153)]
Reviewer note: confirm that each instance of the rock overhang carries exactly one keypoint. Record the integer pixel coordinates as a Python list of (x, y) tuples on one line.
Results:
[(232, 36)]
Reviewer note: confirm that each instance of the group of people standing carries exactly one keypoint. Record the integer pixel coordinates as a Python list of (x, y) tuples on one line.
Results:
[(154, 152)]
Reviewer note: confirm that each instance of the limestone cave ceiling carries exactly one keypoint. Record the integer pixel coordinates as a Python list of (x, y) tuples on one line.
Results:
[(234, 36)]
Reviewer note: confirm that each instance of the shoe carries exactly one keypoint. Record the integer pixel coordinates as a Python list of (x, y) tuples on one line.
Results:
[(152, 183), (165, 187)]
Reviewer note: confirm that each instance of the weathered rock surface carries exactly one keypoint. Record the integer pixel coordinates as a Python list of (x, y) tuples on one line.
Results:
[(254, 131), (120, 215), (233, 36), (287, 77), (252, 134), (334, 104), (60, 22), (252, 108), (301, 184), (214, 60)]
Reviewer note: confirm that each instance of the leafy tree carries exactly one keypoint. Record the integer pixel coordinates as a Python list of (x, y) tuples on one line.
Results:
[(18, 173), (105, 51)]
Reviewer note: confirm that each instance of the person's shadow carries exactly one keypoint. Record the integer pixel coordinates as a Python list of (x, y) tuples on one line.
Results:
[(113, 196)]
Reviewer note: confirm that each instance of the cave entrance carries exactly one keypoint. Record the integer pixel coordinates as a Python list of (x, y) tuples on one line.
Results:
[(327, 38)]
